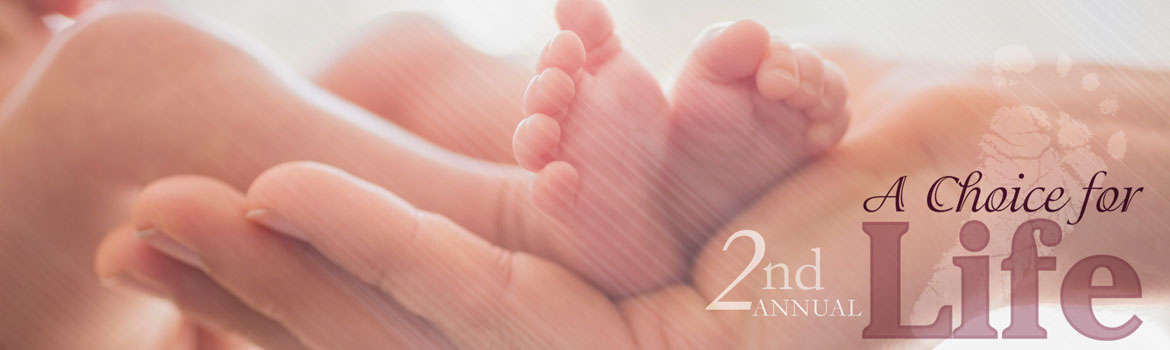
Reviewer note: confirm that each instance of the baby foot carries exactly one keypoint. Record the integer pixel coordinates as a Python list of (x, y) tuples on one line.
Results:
[(596, 134), (639, 182), (746, 110)]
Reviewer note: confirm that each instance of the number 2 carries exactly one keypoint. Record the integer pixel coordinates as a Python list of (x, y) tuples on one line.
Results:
[(758, 242)]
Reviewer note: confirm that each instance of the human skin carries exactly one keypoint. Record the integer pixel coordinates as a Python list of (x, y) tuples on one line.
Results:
[(48, 222), (22, 37), (55, 127), (411, 70), (930, 95), (926, 133), (922, 130), (718, 89), (632, 171), (267, 122)]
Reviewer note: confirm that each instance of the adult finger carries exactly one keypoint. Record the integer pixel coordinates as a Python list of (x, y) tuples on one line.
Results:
[(280, 277), (125, 260), (478, 294)]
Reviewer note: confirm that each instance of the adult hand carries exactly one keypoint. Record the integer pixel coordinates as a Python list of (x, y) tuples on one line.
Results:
[(333, 261)]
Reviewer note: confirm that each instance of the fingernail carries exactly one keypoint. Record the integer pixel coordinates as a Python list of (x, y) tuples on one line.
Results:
[(275, 222), (171, 247), (125, 280)]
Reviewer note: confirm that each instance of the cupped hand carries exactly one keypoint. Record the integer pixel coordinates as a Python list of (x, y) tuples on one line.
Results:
[(327, 260)]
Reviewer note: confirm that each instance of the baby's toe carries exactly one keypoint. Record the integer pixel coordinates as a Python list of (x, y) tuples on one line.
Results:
[(811, 71), (835, 94), (730, 52), (537, 138), (549, 93), (591, 21), (565, 51), (777, 77), (824, 134), (588, 18), (536, 141)]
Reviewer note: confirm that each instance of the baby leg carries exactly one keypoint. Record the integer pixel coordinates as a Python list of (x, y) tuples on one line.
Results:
[(412, 71), (93, 123)]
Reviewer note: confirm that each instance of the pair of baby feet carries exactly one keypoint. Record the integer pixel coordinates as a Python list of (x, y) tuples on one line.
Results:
[(637, 181), (640, 180)]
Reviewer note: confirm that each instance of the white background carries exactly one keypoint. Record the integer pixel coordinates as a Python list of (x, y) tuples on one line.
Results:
[(660, 31)]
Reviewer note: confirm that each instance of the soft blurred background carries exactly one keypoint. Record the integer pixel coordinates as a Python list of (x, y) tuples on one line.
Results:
[(1133, 32), (660, 31)]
